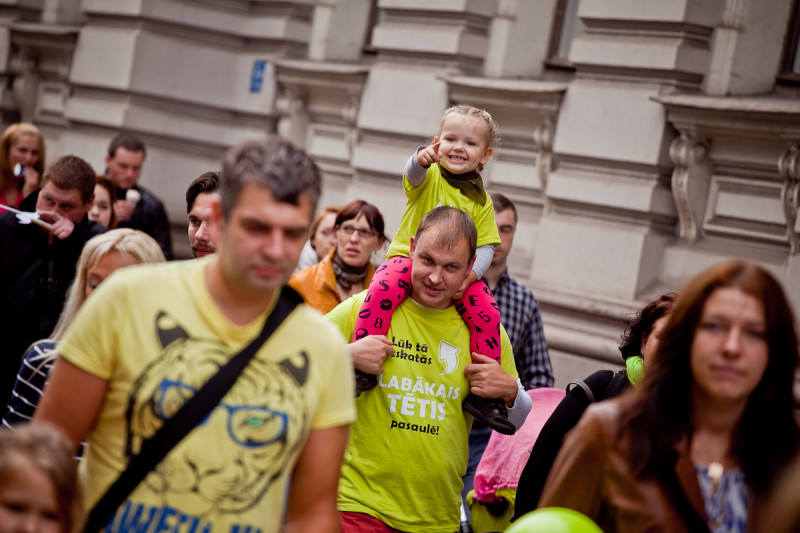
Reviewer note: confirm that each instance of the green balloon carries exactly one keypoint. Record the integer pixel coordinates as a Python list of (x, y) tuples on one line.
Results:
[(554, 520)]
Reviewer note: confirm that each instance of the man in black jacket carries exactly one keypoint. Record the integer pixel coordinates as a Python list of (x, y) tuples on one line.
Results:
[(38, 264), (137, 207)]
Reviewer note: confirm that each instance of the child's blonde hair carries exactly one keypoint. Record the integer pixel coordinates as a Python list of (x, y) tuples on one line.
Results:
[(475, 114), (50, 452)]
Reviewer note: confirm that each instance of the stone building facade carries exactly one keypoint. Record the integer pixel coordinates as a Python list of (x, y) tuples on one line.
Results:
[(642, 140)]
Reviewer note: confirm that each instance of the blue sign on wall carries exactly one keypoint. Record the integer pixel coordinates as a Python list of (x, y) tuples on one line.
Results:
[(257, 77)]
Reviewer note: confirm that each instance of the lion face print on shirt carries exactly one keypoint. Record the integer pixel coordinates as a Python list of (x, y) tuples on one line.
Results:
[(232, 458)]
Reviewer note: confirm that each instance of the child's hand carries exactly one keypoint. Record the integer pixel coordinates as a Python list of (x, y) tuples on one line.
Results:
[(368, 353), (469, 280), (428, 155)]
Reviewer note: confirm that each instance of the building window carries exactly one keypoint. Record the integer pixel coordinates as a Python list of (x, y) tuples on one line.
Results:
[(790, 66), (376, 16), (566, 27)]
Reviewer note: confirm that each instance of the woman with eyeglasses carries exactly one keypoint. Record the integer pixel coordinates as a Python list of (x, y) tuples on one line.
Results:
[(346, 270)]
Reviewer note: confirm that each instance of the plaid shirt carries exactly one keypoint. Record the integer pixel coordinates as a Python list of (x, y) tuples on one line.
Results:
[(519, 314)]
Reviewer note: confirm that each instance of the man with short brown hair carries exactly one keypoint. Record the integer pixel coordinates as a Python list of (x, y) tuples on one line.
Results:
[(408, 447), (268, 454), (38, 264), (137, 207)]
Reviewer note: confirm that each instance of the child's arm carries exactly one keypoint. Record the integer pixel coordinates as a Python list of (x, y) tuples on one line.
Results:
[(483, 260), (417, 165)]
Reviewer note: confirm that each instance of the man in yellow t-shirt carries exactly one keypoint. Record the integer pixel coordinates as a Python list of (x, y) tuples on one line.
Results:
[(408, 448), (151, 336)]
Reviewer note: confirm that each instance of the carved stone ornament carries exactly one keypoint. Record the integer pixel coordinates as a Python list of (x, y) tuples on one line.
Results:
[(26, 83), (543, 136), (689, 157), (789, 168)]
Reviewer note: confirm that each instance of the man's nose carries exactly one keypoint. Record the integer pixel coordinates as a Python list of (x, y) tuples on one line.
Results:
[(202, 232), (274, 245)]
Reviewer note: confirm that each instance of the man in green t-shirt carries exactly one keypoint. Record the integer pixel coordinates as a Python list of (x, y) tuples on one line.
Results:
[(408, 446)]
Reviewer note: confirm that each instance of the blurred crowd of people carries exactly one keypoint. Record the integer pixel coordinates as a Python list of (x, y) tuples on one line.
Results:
[(422, 401)]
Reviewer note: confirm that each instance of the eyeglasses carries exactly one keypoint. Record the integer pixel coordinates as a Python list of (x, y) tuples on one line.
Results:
[(363, 233), (251, 426)]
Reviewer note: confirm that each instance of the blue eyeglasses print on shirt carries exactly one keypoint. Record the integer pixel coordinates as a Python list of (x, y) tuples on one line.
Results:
[(251, 426)]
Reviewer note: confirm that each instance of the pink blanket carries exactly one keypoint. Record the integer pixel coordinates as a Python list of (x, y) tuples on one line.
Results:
[(506, 455)]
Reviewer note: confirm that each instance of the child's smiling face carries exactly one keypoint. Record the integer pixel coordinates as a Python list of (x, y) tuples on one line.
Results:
[(462, 144)]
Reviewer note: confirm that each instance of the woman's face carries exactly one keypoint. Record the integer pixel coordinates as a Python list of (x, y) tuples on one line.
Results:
[(352, 247), (100, 211), (105, 267), (28, 501), (25, 151), (729, 353), (324, 239)]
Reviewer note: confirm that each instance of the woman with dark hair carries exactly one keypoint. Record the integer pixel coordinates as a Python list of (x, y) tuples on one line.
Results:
[(699, 445), (346, 270), (639, 342), (642, 334), (102, 211)]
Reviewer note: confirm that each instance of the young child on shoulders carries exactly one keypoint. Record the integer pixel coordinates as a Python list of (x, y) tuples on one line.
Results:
[(447, 172)]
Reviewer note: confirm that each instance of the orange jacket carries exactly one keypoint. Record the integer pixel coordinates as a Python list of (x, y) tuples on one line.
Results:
[(317, 284)]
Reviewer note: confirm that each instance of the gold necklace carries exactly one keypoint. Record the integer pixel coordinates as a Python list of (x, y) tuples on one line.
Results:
[(715, 467)]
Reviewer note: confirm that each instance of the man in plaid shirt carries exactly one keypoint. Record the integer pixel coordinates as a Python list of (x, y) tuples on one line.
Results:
[(519, 314)]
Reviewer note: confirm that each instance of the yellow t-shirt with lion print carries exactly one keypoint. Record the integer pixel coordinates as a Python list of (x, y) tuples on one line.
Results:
[(154, 333)]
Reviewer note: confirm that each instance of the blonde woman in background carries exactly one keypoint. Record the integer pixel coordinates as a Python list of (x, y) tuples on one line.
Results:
[(101, 256), (21, 144)]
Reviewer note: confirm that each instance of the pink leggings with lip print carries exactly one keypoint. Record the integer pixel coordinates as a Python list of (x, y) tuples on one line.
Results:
[(391, 284)]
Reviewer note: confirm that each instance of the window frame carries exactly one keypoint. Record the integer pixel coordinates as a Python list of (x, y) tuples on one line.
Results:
[(557, 29), (791, 48)]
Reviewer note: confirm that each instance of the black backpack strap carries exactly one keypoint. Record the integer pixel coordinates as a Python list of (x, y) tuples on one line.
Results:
[(582, 384), (617, 385), (187, 418)]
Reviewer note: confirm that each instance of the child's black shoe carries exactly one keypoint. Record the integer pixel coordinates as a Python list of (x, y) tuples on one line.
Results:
[(492, 412), (365, 382)]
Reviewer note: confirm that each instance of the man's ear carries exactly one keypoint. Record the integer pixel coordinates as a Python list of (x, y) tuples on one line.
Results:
[(471, 262), (411, 247), (88, 205)]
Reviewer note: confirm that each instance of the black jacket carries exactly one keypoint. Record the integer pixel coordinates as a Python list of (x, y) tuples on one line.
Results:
[(604, 384), (150, 217), (34, 278)]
